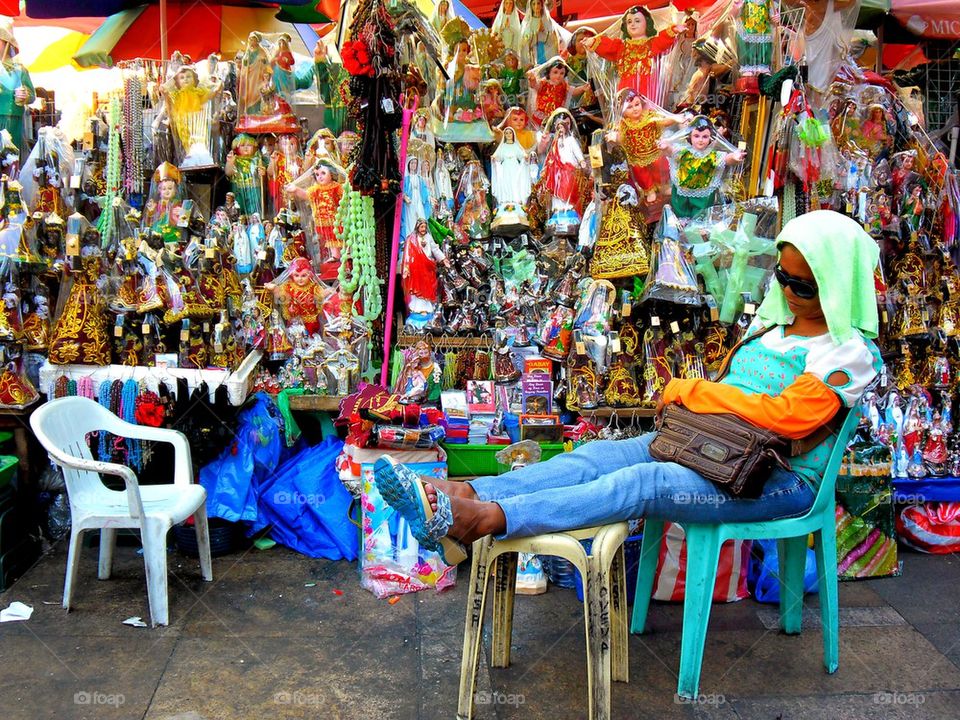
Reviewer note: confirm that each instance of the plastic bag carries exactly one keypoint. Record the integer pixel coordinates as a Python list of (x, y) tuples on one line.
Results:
[(672, 277), (307, 505), (58, 517), (931, 527), (392, 561), (231, 481), (764, 575)]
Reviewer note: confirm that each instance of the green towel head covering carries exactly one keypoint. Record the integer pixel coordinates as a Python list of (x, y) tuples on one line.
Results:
[(843, 259)]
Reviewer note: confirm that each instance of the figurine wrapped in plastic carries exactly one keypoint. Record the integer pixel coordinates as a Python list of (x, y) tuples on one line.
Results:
[(80, 332), (754, 25), (442, 14), (246, 171), (264, 83), (16, 390), (506, 25), (179, 288), (418, 274), (286, 165), (539, 35), (638, 132), (875, 130), (658, 369), (576, 58), (420, 128), (191, 114), (510, 178), (622, 389), (565, 174), (555, 331), (912, 207), (419, 378), (16, 88), (473, 214), (698, 158), (550, 89), (505, 370), (622, 246), (902, 176), (36, 317), (162, 211), (583, 386), (635, 51), (672, 276), (45, 173), (275, 342), (459, 109), (517, 119), (301, 294), (324, 196), (416, 197)]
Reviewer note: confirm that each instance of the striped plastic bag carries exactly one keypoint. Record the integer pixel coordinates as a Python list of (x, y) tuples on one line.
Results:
[(731, 583)]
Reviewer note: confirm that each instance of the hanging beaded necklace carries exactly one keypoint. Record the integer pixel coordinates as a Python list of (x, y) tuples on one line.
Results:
[(128, 407), (103, 397), (85, 387), (107, 222), (355, 228), (133, 133)]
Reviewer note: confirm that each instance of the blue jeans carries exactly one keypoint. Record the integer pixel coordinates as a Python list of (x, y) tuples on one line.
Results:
[(609, 481)]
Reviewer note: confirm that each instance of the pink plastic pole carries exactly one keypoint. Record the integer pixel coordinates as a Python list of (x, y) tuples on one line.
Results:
[(408, 111)]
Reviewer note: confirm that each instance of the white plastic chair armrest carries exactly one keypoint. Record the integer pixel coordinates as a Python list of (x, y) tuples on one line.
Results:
[(134, 502)]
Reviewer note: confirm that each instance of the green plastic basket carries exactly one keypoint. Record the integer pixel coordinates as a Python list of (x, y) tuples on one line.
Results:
[(8, 468), (475, 460)]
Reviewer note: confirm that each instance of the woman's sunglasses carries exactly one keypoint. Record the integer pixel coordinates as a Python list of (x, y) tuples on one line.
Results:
[(803, 289)]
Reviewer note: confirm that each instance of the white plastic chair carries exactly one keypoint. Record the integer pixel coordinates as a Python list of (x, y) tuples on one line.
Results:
[(62, 427)]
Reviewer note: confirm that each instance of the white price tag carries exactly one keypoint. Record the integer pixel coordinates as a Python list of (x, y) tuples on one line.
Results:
[(750, 308), (674, 327), (654, 321), (74, 182)]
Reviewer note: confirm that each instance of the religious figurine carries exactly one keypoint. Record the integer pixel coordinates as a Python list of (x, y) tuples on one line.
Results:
[(505, 369), (301, 294), (549, 89), (473, 214), (510, 76), (638, 132), (565, 174), (510, 178), (286, 165), (324, 197), (16, 88), (162, 211), (696, 167), (80, 333), (264, 84), (419, 379), (418, 272), (754, 26), (246, 171), (622, 389), (416, 198), (44, 176), (517, 119), (622, 246), (506, 25), (634, 52), (187, 105), (583, 391), (539, 35), (902, 176), (458, 108)]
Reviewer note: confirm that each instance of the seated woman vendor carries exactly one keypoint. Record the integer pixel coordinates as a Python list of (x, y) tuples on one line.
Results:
[(816, 358)]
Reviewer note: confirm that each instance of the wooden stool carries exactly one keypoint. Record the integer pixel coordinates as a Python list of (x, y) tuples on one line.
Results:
[(604, 606)]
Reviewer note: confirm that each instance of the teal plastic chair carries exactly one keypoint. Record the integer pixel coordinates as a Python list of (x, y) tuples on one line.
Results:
[(703, 554)]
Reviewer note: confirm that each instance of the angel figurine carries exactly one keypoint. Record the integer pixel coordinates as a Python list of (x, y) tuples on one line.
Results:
[(246, 171), (301, 294), (638, 132), (190, 113), (634, 52), (324, 197), (696, 167)]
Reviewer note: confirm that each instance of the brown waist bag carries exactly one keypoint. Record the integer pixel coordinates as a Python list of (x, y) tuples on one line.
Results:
[(734, 454)]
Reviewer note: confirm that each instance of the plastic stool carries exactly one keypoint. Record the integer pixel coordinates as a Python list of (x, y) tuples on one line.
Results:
[(604, 609)]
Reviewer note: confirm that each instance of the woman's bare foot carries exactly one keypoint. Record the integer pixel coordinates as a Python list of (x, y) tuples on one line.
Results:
[(472, 518), (451, 488)]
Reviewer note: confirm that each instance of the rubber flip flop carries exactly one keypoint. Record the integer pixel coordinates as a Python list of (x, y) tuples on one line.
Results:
[(404, 492)]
